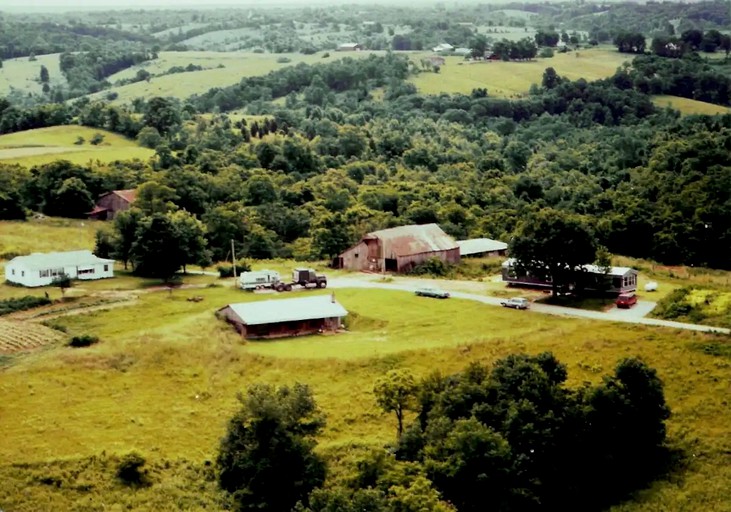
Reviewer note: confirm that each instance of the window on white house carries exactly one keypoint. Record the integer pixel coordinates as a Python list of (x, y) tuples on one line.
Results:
[(45, 273), (106, 268), (13, 271)]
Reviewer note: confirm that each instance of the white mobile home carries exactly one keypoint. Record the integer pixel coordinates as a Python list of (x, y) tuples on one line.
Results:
[(40, 269)]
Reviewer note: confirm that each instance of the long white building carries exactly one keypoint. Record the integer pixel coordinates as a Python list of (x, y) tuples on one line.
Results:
[(40, 269)]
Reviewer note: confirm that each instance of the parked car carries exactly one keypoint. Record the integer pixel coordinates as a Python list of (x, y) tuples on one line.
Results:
[(626, 300), (516, 303), (431, 291)]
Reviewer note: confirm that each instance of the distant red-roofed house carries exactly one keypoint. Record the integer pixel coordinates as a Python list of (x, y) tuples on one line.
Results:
[(112, 202)]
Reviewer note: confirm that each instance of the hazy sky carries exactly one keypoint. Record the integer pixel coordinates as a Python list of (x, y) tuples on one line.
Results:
[(68, 5)]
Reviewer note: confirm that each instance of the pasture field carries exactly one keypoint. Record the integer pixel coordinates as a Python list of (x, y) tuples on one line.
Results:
[(513, 79), (44, 145), (45, 235), (237, 65), (686, 106), (24, 75), (164, 377)]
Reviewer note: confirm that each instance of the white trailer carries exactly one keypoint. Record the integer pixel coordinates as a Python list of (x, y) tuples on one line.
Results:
[(259, 279)]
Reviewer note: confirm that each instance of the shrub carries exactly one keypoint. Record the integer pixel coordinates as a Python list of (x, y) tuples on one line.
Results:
[(283, 60), (96, 139), (546, 53), (130, 470), (85, 340), (433, 267), (228, 270), (8, 306), (79, 140)]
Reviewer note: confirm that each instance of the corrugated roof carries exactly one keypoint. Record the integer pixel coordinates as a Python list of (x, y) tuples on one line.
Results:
[(480, 245), (48, 260), (613, 271), (415, 239), (128, 195), (288, 310)]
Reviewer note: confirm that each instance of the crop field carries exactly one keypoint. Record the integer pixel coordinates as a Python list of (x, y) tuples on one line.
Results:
[(237, 65), (513, 79), (23, 74), (44, 145), (22, 336), (686, 106), (164, 377)]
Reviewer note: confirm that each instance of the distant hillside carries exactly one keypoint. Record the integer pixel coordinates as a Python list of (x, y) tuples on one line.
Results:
[(34, 147)]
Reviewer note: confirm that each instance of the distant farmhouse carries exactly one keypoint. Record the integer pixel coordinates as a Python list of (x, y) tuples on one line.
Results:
[(350, 47), (40, 269), (399, 249), (285, 317), (479, 247), (617, 280), (443, 47), (109, 204)]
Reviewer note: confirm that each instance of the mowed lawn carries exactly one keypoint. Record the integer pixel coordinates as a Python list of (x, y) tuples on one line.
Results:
[(24, 74), (513, 79), (236, 65), (164, 378), (46, 234), (44, 145), (687, 106)]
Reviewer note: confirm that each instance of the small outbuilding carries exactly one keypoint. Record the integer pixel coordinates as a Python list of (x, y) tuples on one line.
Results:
[(399, 249), (40, 269), (478, 247), (350, 47), (109, 204), (285, 317)]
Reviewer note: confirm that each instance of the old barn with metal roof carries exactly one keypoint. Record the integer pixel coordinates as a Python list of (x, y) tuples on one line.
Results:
[(285, 317), (399, 249)]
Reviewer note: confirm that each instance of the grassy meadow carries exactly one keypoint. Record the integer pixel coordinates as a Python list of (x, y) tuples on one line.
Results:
[(236, 65), (24, 75), (686, 106), (163, 381), (44, 145), (44, 235), (513, 79)]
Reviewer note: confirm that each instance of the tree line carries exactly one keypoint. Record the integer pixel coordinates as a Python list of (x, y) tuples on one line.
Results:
[(509, 437)]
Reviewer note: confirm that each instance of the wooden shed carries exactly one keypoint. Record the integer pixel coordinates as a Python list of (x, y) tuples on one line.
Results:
[(399, 249), (285, 317)]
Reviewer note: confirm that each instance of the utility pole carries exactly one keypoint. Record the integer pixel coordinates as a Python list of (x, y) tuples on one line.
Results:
[(233, 258)]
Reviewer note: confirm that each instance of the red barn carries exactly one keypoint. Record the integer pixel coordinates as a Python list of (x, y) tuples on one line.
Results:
[(112, 202), (399, 249)]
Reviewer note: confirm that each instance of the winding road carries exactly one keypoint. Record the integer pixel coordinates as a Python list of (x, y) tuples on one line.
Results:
[(635, 315)]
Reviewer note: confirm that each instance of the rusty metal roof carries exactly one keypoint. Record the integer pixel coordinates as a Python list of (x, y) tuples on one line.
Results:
[(128, 195), (415, 239)]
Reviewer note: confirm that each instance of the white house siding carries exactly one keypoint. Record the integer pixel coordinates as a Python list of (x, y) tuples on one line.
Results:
[(27, 272)]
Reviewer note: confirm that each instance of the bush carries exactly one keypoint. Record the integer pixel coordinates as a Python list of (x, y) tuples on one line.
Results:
[(546, 53), (96, 139), (228, 270), (283, 60), (8, 306), (432, 267), (85, 340), (130, 470)]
